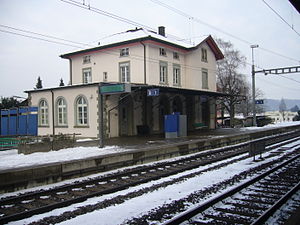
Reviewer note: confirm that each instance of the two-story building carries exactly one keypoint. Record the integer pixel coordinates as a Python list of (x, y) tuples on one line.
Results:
[(182, 75)]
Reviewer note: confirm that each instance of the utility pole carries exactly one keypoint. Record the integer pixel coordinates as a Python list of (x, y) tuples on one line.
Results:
[(253, 87)]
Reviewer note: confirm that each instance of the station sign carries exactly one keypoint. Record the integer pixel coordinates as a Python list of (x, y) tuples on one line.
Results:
[(259, 102), (115, 89), (153, 92)]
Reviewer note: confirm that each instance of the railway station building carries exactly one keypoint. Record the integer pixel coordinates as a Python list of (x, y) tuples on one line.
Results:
[(133, 79)]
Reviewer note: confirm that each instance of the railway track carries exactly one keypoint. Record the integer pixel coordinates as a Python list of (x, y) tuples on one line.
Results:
[(26, 205), (252, 202)]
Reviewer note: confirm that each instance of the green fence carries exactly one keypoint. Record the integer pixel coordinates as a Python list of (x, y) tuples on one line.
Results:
[(9, 143)]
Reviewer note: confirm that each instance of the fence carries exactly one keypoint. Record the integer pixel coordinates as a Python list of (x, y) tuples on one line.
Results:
[(19, 122)]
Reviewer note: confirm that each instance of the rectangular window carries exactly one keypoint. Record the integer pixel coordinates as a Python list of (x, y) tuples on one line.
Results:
[(86, 59), (204, 79), (87, 75), (162, 52), (125, 72), (175, 55), (203, 55), (163, 72), (176, 75), (124, 52), (104, 76)]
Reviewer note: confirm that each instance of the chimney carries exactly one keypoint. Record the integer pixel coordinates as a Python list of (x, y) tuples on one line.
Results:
[(161, 31)]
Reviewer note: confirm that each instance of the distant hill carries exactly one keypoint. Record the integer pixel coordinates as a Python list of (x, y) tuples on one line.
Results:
[(273, 104)]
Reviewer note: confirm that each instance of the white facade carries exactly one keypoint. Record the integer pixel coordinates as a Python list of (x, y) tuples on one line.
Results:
[(186, 75)]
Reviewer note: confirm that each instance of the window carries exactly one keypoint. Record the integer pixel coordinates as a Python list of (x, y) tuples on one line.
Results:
[(87, 75), (124, 52), (125, 72), (176, 75), (81, 111), (162, 52), (203, 55), (61, 108), (86, 59), (204, 79), (175, 55), (43, 113), (163, 72), (104, 76)]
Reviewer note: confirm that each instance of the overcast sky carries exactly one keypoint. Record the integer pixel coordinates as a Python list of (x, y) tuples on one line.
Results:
[(243, 23)]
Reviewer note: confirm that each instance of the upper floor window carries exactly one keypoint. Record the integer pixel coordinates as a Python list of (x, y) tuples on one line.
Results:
[(104, 76), (162, 52), (124, 52), (204, 79), (61, 107), (43, 113), (175, 55), (81, 111), (87, 75), (86, 59), (125, 72), (203, 55), (176, 75), (163, 72)]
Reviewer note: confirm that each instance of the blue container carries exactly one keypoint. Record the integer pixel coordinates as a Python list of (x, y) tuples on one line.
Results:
[(4, 122), (12, 122), (22, 121), (32, 128)]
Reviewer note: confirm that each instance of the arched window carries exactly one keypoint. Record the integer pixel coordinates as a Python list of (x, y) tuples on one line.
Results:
[(81, 111), (43, 113), (61, 107)]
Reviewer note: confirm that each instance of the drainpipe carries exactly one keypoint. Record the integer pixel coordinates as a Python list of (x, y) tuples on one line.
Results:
[(71, 81), (53, 122), (145, 73), (145, 82)]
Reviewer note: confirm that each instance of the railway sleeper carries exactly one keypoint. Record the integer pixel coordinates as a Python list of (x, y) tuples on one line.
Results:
[(239, 211), (248, 206), (228, 218), (258, 201)]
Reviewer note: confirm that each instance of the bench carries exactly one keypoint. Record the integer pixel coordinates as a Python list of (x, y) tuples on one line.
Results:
[(200, 126)]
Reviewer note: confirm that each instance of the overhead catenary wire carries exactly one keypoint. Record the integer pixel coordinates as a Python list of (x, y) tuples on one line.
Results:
[(38, 38), (217, 29), (281, 17)]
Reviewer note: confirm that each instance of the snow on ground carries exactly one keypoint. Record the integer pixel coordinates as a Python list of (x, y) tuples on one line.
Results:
[(10, 159), (117, 214)]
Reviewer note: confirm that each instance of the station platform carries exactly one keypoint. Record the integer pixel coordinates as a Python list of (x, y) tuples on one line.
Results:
[(131, 151)]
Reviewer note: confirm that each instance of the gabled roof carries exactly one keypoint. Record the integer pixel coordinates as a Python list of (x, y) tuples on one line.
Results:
[(142, 35)]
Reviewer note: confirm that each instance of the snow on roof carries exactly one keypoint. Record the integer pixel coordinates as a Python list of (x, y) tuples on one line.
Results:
[(143, 33)]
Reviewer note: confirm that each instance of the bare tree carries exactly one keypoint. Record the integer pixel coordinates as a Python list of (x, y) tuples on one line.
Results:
[(229, 80)]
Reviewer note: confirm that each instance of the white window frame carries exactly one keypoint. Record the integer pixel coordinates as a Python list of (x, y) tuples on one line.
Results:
[(204, 79), (163, 72), (124, 70), (86, 59), (176, 55), (124, 52), (61, 111), (87, 75), (43, 113), (162, 52), (176, 75), (81, 111)]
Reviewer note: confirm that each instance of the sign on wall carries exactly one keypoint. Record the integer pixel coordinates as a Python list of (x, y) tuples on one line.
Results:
[(153, 92), (115, 88)]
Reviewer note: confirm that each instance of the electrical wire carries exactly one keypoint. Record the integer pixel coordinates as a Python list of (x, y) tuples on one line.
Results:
[(38, 38), (281, 17), (43, 35), (217, 29)]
